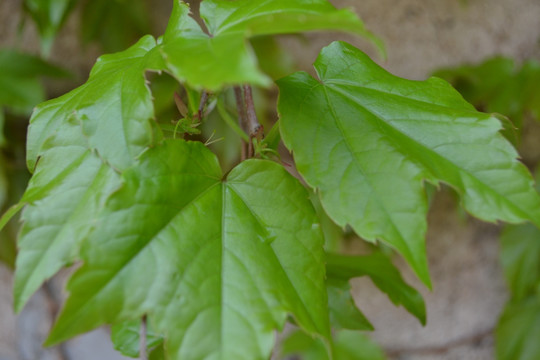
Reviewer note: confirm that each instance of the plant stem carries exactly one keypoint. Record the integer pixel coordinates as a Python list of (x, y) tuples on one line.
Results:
[(142, 339), (254, 127), (204, 99), (242, 118)]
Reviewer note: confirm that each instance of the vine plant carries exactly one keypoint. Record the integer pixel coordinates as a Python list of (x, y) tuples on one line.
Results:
[(209, 263)]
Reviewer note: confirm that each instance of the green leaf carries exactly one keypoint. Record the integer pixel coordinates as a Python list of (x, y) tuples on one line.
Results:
[(49, 16), (20, 83), (520, 257), (223, 57), (383, 274), (343, 312), (126, 337), (64, 196), (214, 266), (367, 140), (518, 331), (116, 24), (114, 107), (347, 345)]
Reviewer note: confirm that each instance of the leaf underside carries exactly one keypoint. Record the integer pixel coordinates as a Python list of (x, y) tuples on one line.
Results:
[(366, 140)]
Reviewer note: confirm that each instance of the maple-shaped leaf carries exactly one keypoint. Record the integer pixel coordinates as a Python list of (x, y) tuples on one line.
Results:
[(366, 140), (217, 264), (114, 106), (223, 56), (78, 142)]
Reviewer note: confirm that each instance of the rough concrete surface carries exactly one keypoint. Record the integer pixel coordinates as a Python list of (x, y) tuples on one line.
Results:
[(468, 290)]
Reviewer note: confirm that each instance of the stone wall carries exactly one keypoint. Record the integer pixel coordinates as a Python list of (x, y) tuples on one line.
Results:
[(468, 290)]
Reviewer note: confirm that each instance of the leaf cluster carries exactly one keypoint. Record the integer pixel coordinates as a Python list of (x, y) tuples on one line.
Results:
[(216, 260)]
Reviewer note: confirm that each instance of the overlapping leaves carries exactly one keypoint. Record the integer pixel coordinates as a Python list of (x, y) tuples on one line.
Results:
[(366, 140), (223, 56), (215, 266)]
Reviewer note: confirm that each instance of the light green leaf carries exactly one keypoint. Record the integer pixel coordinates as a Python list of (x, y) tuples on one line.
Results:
[(366, 140), (49, 16), (343, 312), (268, 17), (347, 345), (114, 107), (223, 57), (20, 83), (64, 196), (214, 266), (383, 274), (126, 337), (518, 331)]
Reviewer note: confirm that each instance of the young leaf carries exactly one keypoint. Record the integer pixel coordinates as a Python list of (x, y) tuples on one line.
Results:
[(223, 57), (383, 274), (212, 263), (367, 140), (114, 106), (518, 330)]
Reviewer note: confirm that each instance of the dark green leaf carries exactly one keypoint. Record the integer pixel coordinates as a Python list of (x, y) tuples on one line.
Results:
[(116, 24), (214, 266), (498, 85), (20, 83), (367, 140), (383, 274), (518, 330)]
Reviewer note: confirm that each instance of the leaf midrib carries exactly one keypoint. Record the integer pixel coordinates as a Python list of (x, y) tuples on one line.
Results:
[(426, 148)]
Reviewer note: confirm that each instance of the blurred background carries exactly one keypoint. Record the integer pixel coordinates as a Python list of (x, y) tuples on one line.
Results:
[(488, 49)]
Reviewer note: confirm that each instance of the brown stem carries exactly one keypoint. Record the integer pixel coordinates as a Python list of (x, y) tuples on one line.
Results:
[(142, 339), (204, 99), (253, 125), (242, 118)]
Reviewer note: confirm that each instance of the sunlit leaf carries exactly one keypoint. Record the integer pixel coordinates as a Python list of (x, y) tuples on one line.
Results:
[(367, 140)]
